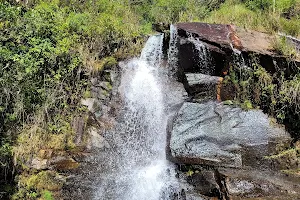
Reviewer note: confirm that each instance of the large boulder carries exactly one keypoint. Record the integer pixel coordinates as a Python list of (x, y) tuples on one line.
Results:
[(215, 134)]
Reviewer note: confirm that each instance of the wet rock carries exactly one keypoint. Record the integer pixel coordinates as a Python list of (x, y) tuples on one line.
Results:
[(196, 56), (203, 87), (216, 34), (204, 182), (173, 193), (219, 135), (222, 42), (198, 197), (242, 184)]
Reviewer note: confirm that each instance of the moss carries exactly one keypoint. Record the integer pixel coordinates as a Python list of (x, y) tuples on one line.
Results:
[(287, 153), (292, 172), (39, 185)]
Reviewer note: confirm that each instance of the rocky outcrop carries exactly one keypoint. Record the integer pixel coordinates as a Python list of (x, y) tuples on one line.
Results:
[(224, 46), (219, 135), (226, 152)]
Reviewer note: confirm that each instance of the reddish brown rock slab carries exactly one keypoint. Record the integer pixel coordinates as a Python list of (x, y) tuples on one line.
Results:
[(255, 41), (218, 34), (225, 37)]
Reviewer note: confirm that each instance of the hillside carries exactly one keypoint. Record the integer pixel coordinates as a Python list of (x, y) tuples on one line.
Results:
[(51, 49)]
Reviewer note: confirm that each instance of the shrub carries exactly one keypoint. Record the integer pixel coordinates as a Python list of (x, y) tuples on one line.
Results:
[(276, 94)]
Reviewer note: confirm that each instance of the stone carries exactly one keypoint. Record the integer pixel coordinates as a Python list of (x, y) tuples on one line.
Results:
[(242, 184), (94, 81), (196, 56), (39, 164), (105, 85), (96, 140), (45, 153), (199, 197), (90, 103), (203, 87), (204, 182), (210, 33), (223, 42), (78, 125), (215, 134), (62, 163)]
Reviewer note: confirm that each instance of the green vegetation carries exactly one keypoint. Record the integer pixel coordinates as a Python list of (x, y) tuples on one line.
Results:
[(41, 185), (282, 47), (48, 52), (261, 15), (277, 94), (50, 49)]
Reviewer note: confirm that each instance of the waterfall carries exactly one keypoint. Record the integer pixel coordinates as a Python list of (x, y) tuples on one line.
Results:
[(238, 58), (152, 53), (173, 51), (204, 57), (137, 169)]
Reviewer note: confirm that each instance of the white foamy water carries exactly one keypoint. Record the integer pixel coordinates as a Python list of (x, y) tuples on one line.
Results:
[(138, 168)]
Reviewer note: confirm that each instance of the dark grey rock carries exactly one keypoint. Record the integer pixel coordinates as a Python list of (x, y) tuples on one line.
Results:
[(221, 135), (204, 182), (253, 184), (202, 87)]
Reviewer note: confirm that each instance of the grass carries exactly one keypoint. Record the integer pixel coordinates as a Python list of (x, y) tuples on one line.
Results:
[(235, 12), (283, 47)]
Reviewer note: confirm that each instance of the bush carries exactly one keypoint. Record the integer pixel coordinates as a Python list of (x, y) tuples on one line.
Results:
[(276, 94)]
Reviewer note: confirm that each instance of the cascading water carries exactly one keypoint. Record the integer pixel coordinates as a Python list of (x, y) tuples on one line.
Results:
[(203, 55), (137, 169), (173, 51), (238, 58)]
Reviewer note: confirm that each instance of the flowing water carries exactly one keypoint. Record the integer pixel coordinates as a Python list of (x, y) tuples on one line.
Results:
[(137, 168), (204, 56), (173, 51)]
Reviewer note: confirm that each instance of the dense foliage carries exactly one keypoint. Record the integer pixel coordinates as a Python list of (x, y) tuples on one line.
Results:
[(50, 48)]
